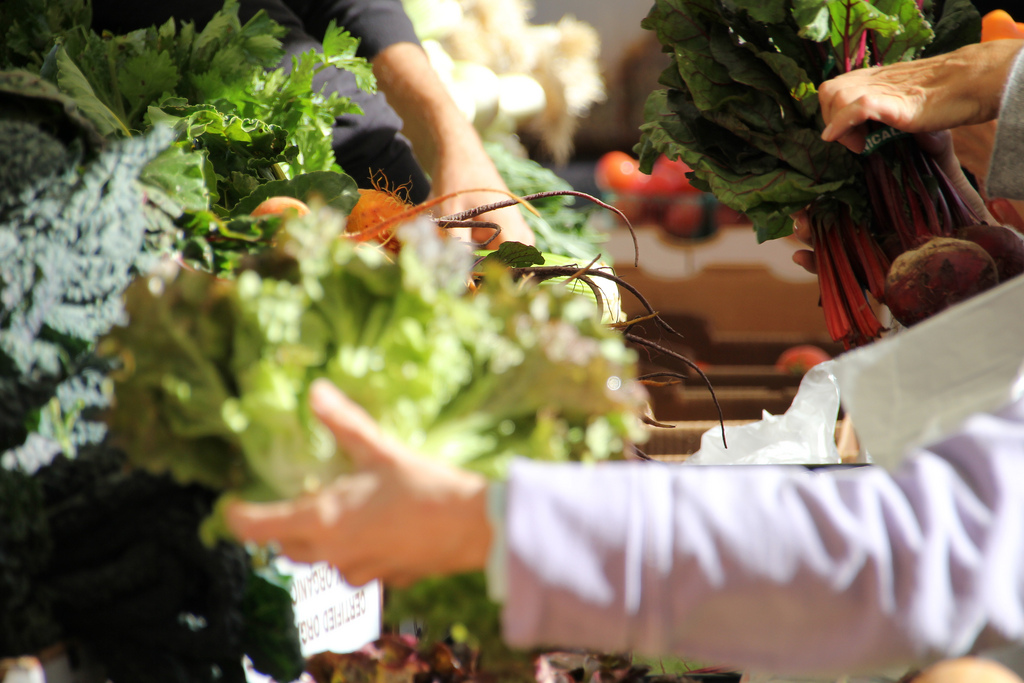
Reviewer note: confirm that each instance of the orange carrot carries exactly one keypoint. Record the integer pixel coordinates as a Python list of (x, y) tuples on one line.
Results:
[(379, 212)]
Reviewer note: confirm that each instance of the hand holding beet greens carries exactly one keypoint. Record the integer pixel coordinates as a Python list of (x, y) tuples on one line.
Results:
[(741, 108)]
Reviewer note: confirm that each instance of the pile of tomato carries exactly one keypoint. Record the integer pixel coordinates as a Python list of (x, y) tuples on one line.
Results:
[(664, 198)]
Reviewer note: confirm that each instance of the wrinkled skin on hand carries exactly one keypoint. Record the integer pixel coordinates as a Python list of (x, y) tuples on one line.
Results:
[(958, 88), (397, 517), (953, 97)]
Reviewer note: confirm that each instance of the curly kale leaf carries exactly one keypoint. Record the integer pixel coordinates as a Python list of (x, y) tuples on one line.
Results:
[(71, 239), (129, 577)]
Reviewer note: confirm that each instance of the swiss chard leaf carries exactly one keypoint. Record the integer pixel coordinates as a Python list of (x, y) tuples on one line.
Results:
[(915, 34), (741, 107)]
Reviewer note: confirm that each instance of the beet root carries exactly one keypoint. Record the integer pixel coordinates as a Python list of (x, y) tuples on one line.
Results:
[(941, 272), (1003, 244)]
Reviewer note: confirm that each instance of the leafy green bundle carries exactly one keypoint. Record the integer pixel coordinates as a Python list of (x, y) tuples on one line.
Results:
[(218, 370), (116, 79), (246, 128), (71, 239), (741, 109)]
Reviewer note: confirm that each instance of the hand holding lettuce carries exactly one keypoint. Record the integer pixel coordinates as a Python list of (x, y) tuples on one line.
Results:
[(216, 372)]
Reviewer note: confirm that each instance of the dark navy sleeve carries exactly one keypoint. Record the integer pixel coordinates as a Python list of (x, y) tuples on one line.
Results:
[(377, 23)]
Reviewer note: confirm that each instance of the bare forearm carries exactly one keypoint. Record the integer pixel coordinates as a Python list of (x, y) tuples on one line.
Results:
[(431, 119), (445, 142)]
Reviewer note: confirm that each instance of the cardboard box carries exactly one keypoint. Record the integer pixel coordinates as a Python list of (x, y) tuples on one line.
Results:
[(729, 280)]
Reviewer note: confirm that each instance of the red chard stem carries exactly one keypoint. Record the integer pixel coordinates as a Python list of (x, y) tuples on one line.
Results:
[(836, 320), (930, 225)]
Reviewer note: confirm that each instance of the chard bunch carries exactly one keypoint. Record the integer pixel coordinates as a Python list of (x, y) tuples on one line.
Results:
[(741, 109)]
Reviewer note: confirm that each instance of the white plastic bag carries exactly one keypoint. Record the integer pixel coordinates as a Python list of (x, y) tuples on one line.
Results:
[(803, 435)]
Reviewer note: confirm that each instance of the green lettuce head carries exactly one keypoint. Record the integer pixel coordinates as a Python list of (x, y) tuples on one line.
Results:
[(216, 372)]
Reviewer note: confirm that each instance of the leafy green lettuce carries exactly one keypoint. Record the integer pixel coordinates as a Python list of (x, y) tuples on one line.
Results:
[(216, 372)]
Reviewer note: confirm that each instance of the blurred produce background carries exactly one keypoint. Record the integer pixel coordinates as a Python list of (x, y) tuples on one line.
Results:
[(559, 86)]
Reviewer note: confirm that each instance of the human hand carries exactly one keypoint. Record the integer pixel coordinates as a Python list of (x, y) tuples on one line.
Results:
[(802, 231), (446, 143), (398, 517), (940, 146), (470, 168), (924, 95)]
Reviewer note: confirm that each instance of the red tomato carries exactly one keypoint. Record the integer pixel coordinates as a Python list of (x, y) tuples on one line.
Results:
[(618, 171), (797, 360), (669, 176), (684, 218), (658, 186), (633, 207), (725, 215)]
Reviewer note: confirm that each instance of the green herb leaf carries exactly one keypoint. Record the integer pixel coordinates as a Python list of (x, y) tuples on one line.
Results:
[(179, 174), (336, 190), (514, 255), (143, 78), (73, 82)]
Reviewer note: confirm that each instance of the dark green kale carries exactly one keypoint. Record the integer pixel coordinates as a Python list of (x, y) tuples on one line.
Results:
[(71, 239), (129, 577), (26, 620)]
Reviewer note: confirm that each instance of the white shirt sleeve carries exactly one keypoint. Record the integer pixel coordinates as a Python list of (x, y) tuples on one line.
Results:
[(775, 568)]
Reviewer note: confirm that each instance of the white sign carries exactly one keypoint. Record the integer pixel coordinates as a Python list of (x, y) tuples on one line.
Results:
[(331, 615)]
